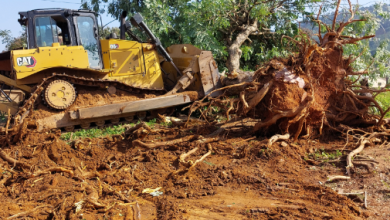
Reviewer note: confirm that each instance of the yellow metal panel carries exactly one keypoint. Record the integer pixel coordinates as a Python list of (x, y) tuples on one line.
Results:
[(127, 61), (29, 62)]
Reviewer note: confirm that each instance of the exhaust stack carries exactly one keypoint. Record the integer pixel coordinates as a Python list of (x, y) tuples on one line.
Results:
[(123, 25)]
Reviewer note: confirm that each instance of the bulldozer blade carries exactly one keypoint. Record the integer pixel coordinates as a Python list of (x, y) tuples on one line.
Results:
[(209, 74), (13, 107), (15, 95), (12, 82), (129, 107), (112, 111)]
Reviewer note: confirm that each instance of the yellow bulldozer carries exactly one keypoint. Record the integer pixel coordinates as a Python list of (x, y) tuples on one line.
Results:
[(68, 77)]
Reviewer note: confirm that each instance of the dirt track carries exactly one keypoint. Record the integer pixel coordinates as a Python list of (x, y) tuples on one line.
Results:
[(239, 180)]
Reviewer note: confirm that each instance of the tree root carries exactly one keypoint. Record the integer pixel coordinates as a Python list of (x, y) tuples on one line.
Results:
[(331, 178), (82, 176), (145, 127), (180, 122), (365, 200), (258, 97), (12, 161), (284, 114), (27, 213), (110, 189), (185, 155), (278, 137), (137, 212), (190, 164), (362, 142), (92, 198), (53, 169), (166, 143), (203, 157), (215, 136)]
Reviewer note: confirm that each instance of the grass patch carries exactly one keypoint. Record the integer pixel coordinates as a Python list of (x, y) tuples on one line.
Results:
[(166, 124), (151, 123), (3, 116), (323, 155), (94, 132)]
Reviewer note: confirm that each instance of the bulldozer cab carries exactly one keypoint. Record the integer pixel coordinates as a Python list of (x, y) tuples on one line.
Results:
[(66, 27)]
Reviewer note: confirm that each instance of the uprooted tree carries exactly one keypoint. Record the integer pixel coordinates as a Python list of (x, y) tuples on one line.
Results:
[(308, 91)]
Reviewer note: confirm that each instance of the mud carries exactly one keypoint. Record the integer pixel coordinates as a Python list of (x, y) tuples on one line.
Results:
[(240, 180)]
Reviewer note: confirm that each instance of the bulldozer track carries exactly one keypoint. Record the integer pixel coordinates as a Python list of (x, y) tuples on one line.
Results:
[(100, 83)]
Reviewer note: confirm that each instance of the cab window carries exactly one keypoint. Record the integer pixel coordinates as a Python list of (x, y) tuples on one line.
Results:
[(51, 29), (87, 33)]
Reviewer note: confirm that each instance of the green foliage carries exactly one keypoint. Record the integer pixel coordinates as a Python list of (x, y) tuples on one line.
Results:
[(12, 43), (375, 61), (383, 100), (323, 155), (152, 122), (3, 116), (166, 124), (106, 31), (211, 25)]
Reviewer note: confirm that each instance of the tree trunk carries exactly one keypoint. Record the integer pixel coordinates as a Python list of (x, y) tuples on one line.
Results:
[(233, 60)]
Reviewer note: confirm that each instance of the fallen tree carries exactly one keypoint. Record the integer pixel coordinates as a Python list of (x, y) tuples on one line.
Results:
[(305, 94)]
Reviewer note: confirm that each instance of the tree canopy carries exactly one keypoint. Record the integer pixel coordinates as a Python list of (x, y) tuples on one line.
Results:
[(240, 33)]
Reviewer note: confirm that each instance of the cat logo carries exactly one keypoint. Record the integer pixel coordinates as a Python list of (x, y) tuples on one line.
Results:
[(26, 61), (114, 46)]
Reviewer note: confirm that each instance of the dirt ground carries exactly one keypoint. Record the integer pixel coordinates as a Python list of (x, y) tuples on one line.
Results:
[(104, 178)]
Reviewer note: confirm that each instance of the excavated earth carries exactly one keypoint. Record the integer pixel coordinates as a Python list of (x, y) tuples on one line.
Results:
[(241, 179), (90, 97)]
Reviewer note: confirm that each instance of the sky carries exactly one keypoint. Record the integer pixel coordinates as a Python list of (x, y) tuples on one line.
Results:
[(9, 12)]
